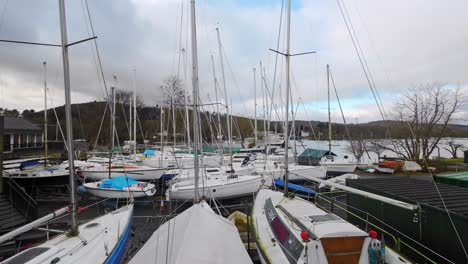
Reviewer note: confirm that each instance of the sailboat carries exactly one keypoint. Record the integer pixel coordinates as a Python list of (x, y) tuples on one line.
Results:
[(121, 187), (197, 235), (102, 240), (293, 230), (120, 167), (335, 165), (228, 183), (39, 173)]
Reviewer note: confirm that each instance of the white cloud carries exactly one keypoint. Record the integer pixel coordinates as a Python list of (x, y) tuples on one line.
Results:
[(405, 43)]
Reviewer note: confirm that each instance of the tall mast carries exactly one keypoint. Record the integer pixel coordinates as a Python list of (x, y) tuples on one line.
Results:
[(263, 105), (228, 122), (329, 113), (286, 125), (220, 134), (68, 117), (134, 114), (45, 113), (111, 130), (293, 127), (195, 95), (173, 122), (225, 92), (113, 118), (187, 121), (161, 120), (130, 119), (255, 105)]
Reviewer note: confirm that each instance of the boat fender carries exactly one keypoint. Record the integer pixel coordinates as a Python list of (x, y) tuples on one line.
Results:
[(375, 252)]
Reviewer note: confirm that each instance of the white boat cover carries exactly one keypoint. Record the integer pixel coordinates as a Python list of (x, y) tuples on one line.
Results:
[(197, 235), (411, 166)]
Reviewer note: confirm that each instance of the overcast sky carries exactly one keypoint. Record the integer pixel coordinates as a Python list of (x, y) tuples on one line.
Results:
[(405, 43)]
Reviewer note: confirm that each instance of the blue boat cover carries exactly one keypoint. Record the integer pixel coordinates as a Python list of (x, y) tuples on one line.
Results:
[(295, 187), (118, 183), (149, 152), (28, 163)]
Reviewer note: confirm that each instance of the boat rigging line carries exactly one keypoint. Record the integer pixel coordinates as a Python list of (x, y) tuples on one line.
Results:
[(369, 78)]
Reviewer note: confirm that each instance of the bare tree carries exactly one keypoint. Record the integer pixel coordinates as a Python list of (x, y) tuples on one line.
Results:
[(453, 147), (125, 97), (173, 91), (377, 146), (358, 148), (423, 114)]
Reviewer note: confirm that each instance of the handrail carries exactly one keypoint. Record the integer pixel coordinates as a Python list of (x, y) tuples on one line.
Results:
[(22, 193)]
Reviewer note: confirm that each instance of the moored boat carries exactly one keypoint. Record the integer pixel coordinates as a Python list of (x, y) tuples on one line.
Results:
[(120, 187)]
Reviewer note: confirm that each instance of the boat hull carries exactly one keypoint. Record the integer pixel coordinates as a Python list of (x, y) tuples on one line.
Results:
[(112, 230), (139, 175), (183, 162), (339, 169), (118, 194), (246, 185)]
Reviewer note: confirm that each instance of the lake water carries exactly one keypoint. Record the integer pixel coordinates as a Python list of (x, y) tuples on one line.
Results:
[(341, 147)]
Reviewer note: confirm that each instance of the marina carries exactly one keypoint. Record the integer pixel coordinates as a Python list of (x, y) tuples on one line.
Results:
[(290, 161)]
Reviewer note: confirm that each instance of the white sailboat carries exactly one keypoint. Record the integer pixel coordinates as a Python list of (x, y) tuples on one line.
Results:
[(120, 188), (197, 235), (218, 187), (293, 230), (102, 240), (335, 165), (137, 172)]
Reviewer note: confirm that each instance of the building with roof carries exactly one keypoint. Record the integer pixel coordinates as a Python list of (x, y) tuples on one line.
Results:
[(20, 136)]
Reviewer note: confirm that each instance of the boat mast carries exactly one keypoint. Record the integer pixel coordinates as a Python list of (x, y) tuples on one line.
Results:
[(68, 117), (45, 113), (187, 121), (255, 105), (130, 119), (111, 130), (293, 128), (265, 137), (161, 123), (286, 125), (173, 121), (228, 122), (329, 112), (134, 113), (220, 134), (195, 96), (113, 118)]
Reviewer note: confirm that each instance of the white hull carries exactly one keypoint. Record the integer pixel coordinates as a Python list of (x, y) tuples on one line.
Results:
[(92, 188), (137, 174), (179, 162), (215, 188), (296, 172), (279, 223), (105, 237), (339, 168)]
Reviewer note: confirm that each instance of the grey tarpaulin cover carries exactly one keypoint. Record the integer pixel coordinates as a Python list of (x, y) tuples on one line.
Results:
[(197, 235)]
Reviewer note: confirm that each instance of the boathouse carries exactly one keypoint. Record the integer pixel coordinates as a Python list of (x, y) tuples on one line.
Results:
[(20, 136)]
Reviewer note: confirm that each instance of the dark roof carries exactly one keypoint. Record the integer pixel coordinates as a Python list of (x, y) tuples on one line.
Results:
[(18, 124), (316, 153), (413, 191)]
